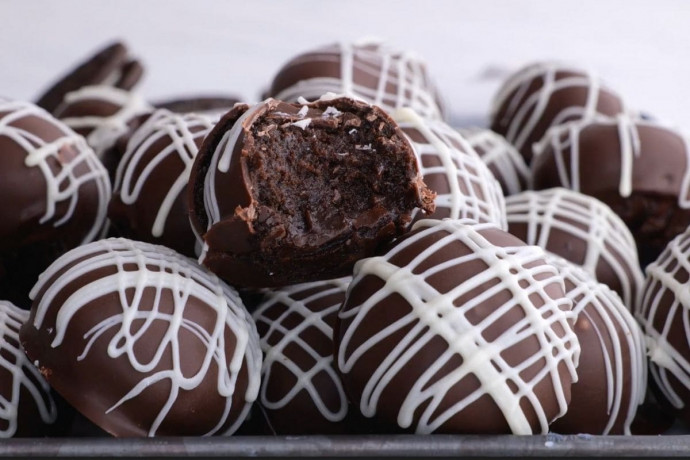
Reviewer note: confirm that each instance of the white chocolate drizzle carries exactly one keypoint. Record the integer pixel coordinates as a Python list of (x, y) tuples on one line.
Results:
[(142, 266), (473, 191), (401, 77), (182, 133), (434, 314), (104, 130), (23, 375), (278, 337), (64, 179), (585, 219), (614, 324)]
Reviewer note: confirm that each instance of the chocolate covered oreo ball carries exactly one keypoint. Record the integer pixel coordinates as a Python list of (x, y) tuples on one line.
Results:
[(458, 328), (369, 70), (295, 324), (27, 407), (546, 94), (640, 168), (503, 160), (464, 186), (143, 341), (206, 105), (287, 193), (612, 373), (149, 200), (56, 192), (582, 230)]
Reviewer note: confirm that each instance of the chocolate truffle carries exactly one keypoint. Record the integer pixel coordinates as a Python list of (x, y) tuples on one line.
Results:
[(640, 168), (546, 94), (143, 341), (582, 230), (27, 407), (112, 66), (101, 114), (295, 324), (288, 193), (464, 186), (503, 160), (56, 189), (369, 70), (458, 328), (663, 315), (149, 200), (207, 105), (612, 373)]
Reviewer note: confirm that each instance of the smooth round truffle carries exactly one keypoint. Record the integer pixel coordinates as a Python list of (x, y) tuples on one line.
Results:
[(503, 160), (546, 94), (464, 186), (641, 169), (206, 105), (369, 70), (27, 407), (112, 65), (144, 342), (295, 324), (102, 114), (56, 192), (582, 230), (149, 200), (458, 328), (288, 193), (663, 315), (612, 372)]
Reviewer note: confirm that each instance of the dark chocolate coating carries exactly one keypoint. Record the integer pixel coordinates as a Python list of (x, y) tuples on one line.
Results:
[(543, 95), (418, 335), (295, 324), (113, 60), (170, 354), (152, 177), (199, 104), (656, 208), (299, 204)]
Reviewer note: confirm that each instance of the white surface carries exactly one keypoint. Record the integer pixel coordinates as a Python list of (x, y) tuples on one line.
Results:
[(639, 47)]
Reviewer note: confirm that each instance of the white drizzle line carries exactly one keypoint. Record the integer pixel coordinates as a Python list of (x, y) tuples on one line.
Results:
[(503, 160), (607, 239), (473, 190), (163, 270), (24, 376), (182, 133), (104, 130), (613, 324), (433, 315), (565, 138), (63, 181), (286, 300), (401, 78), (523, 117), (664, 278)]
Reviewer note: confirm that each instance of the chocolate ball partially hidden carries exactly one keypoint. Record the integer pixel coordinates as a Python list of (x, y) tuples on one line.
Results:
[(546, 94), (288, 193), (612, 373), (640, 168), (149, 200), (582, 230), (143, 341), (295, 324), (464, 186), (459, 328), (368, 70)]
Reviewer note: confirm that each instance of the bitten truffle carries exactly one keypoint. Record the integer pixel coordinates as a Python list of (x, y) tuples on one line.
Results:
[(288, 193), (143, 341), (458, 328)]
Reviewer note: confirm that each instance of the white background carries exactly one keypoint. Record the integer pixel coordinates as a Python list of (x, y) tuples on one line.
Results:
[(641, 48)]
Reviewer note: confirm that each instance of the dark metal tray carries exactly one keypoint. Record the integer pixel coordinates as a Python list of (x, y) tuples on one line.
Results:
[(457, 446)]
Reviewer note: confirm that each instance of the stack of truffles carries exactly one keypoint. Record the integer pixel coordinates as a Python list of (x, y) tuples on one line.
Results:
[(337, 258)]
